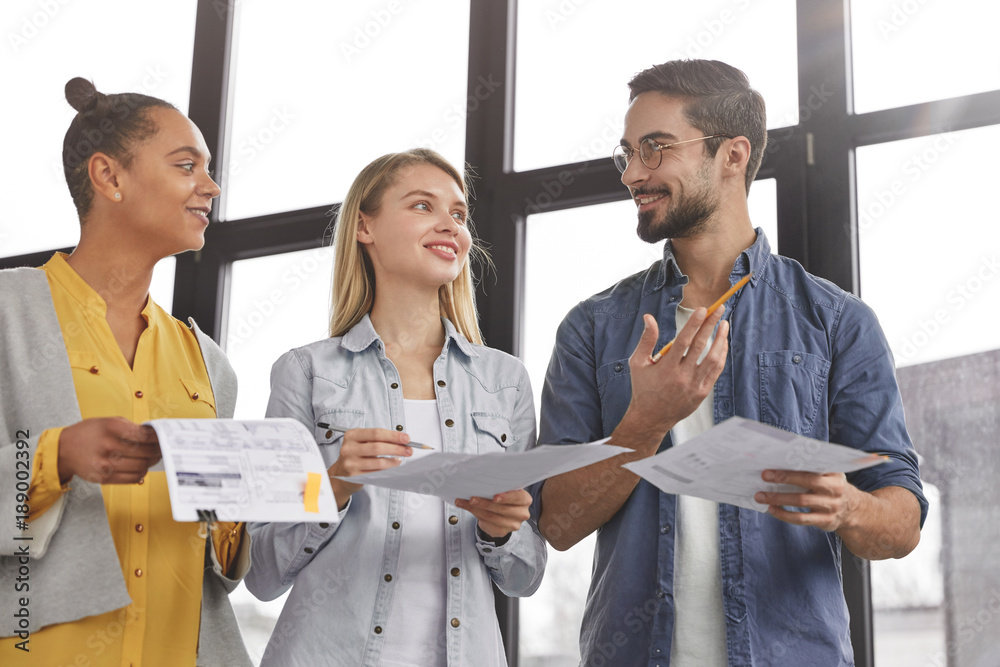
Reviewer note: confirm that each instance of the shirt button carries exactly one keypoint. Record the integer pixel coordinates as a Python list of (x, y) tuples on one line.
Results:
[(503, 437), (138, 394), (328, 434), (664, 529), (388, 577), (324, 525), (453, 519), (378, 629), (94, 370), (138, 527), (394, 385), (797, 359), (399, 427), (449, 422), (141, 480), (395, 525), (455, 623), (195, 396), (660, 593), (138, 572), (441, 383), (487, 550), (619, 368), (455, 572), (308, 550)]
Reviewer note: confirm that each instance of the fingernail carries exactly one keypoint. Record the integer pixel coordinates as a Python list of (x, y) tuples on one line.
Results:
[(768, 476), (760, 497)]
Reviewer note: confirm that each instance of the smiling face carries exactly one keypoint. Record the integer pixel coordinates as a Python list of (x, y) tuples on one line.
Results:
[(678, 198), (167, 191), (419, 234)]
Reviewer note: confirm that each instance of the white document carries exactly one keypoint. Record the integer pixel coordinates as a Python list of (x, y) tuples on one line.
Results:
[(450, 476), (256, 470), (724, 463)]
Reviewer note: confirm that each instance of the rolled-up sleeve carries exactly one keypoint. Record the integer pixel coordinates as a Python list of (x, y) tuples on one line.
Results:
[(866, 409)]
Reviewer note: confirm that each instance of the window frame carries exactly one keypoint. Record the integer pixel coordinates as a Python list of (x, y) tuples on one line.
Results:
[(813, 163)]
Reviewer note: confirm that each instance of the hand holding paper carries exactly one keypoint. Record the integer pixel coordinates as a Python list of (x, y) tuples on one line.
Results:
[(726, 462)]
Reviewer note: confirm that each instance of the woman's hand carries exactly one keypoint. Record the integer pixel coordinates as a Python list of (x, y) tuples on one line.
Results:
[(500, 516), (107, 450), (365, 450)]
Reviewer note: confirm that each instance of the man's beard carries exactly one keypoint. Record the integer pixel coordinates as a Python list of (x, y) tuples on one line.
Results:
[(686, 215)]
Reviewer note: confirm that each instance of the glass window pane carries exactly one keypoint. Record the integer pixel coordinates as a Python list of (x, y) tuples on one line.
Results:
[(929, 252), (323, 88), (894, 66), (46, 45), (930, 270), (558, 245), (574, 60), (276, 303)]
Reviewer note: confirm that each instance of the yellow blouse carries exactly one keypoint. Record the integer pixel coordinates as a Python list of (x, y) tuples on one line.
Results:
[(162, 560)]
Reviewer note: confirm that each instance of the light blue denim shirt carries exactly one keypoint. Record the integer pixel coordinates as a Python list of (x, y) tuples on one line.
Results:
[(342, 572), (804, 356)]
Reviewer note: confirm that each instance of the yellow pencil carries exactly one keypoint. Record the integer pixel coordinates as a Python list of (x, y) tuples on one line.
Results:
[(711, 309)]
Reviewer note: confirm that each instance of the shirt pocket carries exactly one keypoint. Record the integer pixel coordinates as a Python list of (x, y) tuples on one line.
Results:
[(329, 437), (792, 385), (493, 432)]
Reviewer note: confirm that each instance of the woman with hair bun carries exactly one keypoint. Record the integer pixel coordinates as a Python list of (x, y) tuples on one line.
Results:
[(95, 570), (401, 579)]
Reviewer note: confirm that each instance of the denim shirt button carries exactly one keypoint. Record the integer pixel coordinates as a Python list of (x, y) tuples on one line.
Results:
[(399, 427), (664, 529), (394, 385), (797, 359), (619, 368), (660, 593)]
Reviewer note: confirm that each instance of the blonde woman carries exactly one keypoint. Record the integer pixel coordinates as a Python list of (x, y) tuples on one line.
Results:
[(401, 579)]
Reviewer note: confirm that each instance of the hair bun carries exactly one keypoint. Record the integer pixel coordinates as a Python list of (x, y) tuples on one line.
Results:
[(81, 93)]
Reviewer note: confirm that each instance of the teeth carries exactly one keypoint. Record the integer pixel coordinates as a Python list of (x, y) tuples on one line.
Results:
[(646, 200), (442, 247)]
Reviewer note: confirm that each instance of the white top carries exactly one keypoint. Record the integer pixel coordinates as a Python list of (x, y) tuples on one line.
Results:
[(699, 625), (415, 635)]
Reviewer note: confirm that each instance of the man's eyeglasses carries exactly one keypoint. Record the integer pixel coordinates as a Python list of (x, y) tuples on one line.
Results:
[(650, 151)]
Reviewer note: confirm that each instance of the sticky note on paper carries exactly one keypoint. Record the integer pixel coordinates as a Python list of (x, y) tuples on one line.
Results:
[(312, 492)]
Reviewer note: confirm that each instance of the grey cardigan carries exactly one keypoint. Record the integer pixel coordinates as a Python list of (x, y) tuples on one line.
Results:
[(72, 566)]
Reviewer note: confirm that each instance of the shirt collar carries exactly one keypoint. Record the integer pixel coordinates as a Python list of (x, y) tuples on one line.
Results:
[(753, 259), (81, 291), (363, 335)]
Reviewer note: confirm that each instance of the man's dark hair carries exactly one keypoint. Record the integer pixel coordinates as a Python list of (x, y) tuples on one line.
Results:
[(717, 99), (109, 124)]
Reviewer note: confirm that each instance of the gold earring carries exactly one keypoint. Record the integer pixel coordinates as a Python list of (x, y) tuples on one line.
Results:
[(118, 196)]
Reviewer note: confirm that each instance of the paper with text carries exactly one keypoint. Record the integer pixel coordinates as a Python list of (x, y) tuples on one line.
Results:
[(725, 463), (449, 476), (244, 470)]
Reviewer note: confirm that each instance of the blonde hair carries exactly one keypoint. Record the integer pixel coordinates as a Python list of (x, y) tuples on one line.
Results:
[(353, 274)]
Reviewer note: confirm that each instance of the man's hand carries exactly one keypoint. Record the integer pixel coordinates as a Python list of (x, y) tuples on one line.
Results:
[(365, 450), (667, 391), (500, 516), (107, 450), (829, 499), (882, 524)]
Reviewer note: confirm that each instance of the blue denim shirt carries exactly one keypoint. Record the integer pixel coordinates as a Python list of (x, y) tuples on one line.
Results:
[(804, 356), (342, 572)]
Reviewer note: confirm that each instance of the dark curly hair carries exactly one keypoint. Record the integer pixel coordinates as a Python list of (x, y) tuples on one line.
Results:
[(109, 124)]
